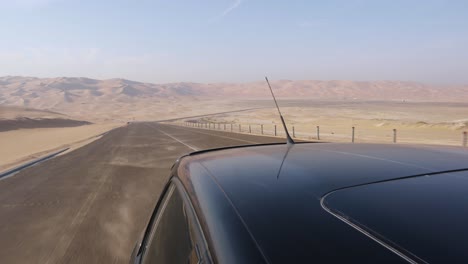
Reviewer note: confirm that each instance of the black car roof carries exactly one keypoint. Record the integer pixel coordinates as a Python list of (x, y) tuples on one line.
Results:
[(281, 212)]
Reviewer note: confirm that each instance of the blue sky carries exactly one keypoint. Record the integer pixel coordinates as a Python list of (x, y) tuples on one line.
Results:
[(236, 41)]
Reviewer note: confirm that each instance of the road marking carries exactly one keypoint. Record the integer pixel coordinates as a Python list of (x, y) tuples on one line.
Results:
[(193, 130), (176, 139)]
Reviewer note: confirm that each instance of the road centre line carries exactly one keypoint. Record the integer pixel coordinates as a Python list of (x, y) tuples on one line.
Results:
[(176, 139)]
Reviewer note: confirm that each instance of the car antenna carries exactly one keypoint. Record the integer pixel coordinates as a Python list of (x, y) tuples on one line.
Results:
[(289, 139)]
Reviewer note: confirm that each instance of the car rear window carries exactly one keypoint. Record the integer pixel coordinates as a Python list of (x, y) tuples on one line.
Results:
[(425, 218)]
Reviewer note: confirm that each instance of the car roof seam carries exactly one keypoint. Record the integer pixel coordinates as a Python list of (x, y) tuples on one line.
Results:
[(367, 233), (395, 179)]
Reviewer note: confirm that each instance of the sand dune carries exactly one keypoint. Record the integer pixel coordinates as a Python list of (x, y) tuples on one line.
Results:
[(28, 123), (114, 99), (19, 146), (15, 112), (12, 118), (27, 133)]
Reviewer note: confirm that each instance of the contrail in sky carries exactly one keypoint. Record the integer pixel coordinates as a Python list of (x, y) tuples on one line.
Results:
[(231, 8)]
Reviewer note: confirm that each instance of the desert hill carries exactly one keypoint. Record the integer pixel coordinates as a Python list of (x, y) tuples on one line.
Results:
[(85, 98), (17, 112), (16, 117)]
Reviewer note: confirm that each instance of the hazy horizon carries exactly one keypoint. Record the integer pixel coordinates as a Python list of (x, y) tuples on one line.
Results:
[(261, 79), (236, 40)]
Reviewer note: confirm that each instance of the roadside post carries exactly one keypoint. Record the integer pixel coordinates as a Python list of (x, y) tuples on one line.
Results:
[(318, 132), (465, 138), (261, 128), (294, 133), (394, 135), (275, 131), (352, 135)]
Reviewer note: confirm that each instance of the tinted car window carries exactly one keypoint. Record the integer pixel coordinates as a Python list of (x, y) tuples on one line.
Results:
[(170, 240)]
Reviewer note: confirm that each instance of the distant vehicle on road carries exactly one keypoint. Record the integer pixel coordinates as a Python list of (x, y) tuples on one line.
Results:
[(303, 203)]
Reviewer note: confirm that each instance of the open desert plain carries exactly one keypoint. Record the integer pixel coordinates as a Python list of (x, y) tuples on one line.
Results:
[(83, 161), (373, 121)]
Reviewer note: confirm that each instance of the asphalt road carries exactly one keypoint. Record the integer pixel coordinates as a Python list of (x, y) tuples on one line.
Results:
[(90, 205)]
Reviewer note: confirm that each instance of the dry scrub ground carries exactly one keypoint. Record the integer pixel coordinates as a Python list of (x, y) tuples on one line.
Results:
[(424, 123)]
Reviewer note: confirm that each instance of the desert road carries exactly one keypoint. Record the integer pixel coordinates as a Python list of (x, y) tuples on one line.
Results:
[(90, 205)]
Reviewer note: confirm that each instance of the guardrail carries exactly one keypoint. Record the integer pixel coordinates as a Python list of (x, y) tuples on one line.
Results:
[(274, 130), (30, 163)]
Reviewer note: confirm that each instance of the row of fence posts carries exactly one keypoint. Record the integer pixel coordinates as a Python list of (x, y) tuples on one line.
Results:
[(209, 125)]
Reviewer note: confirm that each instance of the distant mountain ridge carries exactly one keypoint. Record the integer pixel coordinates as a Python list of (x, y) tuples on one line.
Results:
[(79, 96)]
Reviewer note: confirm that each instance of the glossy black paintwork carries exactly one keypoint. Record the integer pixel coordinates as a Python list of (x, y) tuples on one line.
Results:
[(425, 217), (230, 241), (245, 206)]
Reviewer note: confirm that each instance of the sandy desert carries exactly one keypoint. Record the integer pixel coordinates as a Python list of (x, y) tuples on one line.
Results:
[(374, 121), (40, 115), (27, 134)]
